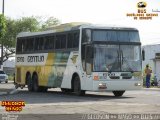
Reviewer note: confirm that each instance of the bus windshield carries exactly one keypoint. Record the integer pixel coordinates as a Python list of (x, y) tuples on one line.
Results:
[(121, 35), (117, 58), (110, 35)]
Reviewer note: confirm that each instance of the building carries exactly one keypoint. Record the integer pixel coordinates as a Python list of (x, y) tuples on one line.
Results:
[(151, 56), (8, 65)]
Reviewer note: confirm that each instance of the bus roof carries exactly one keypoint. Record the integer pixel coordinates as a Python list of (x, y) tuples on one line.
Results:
[(73, 26)]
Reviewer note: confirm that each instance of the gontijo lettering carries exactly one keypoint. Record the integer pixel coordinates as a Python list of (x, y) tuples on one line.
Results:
[(35, 58), (20, 59)]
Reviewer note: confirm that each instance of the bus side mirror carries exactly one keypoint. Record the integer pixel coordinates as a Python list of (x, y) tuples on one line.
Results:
[(143, 55)]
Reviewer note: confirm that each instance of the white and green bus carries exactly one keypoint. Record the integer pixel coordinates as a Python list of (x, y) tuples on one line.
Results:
[(78, 57)]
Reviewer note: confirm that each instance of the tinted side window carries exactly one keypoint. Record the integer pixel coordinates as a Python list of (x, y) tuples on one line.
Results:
[(63, 41), (73, 40), (70, 39), (52, 42), (30, 44), (60, 41), (76, 40), (27, 44), (19, 45), (49, 42), (39, 43), (86, 35)]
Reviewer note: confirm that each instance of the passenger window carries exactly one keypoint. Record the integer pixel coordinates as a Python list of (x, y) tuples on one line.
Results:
[(46, 45), (61, 41), (19, 45), (51, 45), (58, 43), (49, 42), (39, 43), (86, 35), (76, 40), (30, 44), (73, 40), (70, 40)]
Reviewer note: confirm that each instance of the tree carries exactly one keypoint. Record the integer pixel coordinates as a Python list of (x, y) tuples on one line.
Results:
[(2, 26), (2, 30), (24, 24), (13, 27), (50, 22)]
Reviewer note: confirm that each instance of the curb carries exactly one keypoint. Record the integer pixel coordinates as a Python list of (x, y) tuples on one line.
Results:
[(9, 92), (3, 93), (151, 89)]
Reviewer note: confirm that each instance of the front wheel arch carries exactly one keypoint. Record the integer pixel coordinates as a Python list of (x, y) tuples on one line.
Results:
[(29, 82), (35, 82), (27, 74), (73, 76), (76, 85)]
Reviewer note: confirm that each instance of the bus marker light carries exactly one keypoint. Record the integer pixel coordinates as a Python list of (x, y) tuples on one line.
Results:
[(137, 84)]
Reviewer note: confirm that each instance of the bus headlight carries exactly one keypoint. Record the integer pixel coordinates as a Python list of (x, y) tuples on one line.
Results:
[(137, 84), (102, 86)]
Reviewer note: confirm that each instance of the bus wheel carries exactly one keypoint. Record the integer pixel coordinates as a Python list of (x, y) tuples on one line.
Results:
[(77, 87), (29, 83), (36, 88), (118, 93), (65, 90), (16, 86), (43, 89)]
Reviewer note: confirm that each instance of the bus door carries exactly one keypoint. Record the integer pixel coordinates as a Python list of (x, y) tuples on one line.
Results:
[(87, 62)]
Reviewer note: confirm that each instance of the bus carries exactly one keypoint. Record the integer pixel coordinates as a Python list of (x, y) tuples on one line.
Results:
[(79, 57)]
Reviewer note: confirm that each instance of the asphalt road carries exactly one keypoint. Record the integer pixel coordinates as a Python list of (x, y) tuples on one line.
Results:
[(145, 101)]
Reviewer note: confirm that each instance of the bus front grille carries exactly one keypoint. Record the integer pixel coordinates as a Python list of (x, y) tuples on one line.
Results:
[(2, 77), (126, 77), (114, 77)]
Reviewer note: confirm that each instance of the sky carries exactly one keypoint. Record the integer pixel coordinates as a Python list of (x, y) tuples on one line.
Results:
[(107, 12)]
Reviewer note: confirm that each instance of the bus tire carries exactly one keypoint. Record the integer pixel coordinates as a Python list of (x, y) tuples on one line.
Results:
[(77, 87), (43, 89), (118, 93), (16, 86), (29, 83), (65, 90), (36, 87)]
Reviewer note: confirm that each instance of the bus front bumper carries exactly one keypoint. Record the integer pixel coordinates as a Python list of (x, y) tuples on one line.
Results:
[(116, 85)]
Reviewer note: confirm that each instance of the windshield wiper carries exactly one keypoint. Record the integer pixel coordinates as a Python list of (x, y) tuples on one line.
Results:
[(124, 59)]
